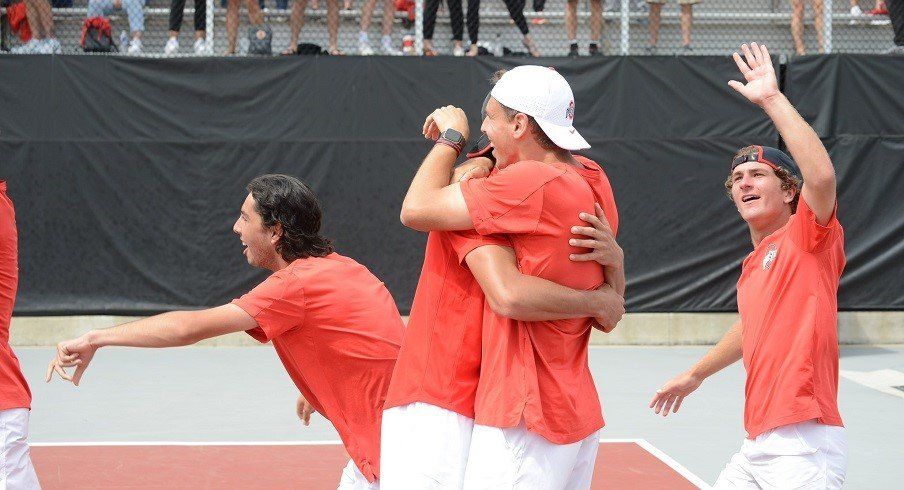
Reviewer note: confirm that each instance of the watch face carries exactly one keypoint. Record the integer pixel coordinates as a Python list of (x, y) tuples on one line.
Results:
[(453, 136)]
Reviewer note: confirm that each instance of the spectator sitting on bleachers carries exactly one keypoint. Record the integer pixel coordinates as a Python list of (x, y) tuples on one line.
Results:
[(134, 10), (175, 24), (367, 11), (255, 17), (687, 23), (797, 24), (40, 19), (596, 27)]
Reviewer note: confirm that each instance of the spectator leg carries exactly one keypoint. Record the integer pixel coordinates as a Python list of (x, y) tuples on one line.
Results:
[(456, 19), (896, 14), (135, 11), (388, 16), (430, 8), (687, 23), (200, 18), (797, 25), (175, 16), (367, 13), (819, 23), (332, 24), (473, 20), (516, 12), (655, 18), (297, 22), (596, 22), (255, 14), (40, 18), (232, 25), (571, 20)]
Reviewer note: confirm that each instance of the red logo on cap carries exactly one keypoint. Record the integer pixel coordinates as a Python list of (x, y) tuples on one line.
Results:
[(569, 113)]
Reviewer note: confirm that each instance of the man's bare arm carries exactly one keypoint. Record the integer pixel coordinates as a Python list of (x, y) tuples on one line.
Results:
[(527, 298), (431, 203), (722, 355), (173, 329), (806, 148)]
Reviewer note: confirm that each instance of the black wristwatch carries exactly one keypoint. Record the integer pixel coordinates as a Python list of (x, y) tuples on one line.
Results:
[(453, 139)]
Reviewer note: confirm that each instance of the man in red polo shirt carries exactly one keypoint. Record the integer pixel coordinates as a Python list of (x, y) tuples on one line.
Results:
[(788, 304), (537, 411), (334, 325), (16, 470)]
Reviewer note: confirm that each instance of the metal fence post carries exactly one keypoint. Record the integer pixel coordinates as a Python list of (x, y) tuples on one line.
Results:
[(827, 25), (419, 27), (208, 26), (625, 32)]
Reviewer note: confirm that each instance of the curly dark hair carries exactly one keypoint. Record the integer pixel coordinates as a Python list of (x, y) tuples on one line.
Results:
[(288, 201), (788, 181)]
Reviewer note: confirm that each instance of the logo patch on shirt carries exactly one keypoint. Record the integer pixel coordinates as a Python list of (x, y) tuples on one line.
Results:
[(569, 112), (771, 253)]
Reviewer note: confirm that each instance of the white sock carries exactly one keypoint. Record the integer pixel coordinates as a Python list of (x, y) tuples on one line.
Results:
[(387, 40), (362, 37)]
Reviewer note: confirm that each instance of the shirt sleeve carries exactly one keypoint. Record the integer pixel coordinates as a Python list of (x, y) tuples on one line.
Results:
[(508, 201), (277, 305), (809, 235), (463, 242)]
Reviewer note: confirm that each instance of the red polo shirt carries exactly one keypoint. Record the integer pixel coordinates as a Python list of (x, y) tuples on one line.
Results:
[(538, 371), (337, 331), (788, 301), (14, 392), (439, 362)]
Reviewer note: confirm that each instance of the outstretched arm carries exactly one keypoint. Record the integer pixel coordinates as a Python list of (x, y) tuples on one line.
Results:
[(518, 296), (722, 355), (173, 329), (806, 148)]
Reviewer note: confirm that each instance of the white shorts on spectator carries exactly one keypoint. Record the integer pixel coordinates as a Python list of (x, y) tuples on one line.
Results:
[(16, 470), (352, 479), (803, 455), (423, 447), (517, 458)]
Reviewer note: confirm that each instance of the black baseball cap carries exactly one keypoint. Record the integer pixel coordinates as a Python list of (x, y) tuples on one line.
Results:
[(773, 157)]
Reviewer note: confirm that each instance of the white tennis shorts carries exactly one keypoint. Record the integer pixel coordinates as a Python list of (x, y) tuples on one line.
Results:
[(423, 447), (16, 470), (803, 455), (517, 458)]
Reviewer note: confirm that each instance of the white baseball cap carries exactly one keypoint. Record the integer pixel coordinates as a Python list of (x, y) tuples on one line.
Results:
[(545, 95)]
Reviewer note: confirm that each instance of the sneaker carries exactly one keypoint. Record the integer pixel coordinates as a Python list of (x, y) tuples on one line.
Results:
[(364, 48), (53, 45), (200, 47), (879, 11), (135, 46), (171, 47), (687, 49), (388, 49), (650, 51), (855, 12), (458, 51), (573, 50), (898, 50), (31, 47), (594, 50)]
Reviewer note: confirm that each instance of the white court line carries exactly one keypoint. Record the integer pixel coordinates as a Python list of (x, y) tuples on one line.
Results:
[(665, 458), (656, 452)]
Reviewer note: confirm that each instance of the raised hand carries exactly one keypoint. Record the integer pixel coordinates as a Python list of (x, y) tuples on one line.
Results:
[(756, 66), (445, 118)]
